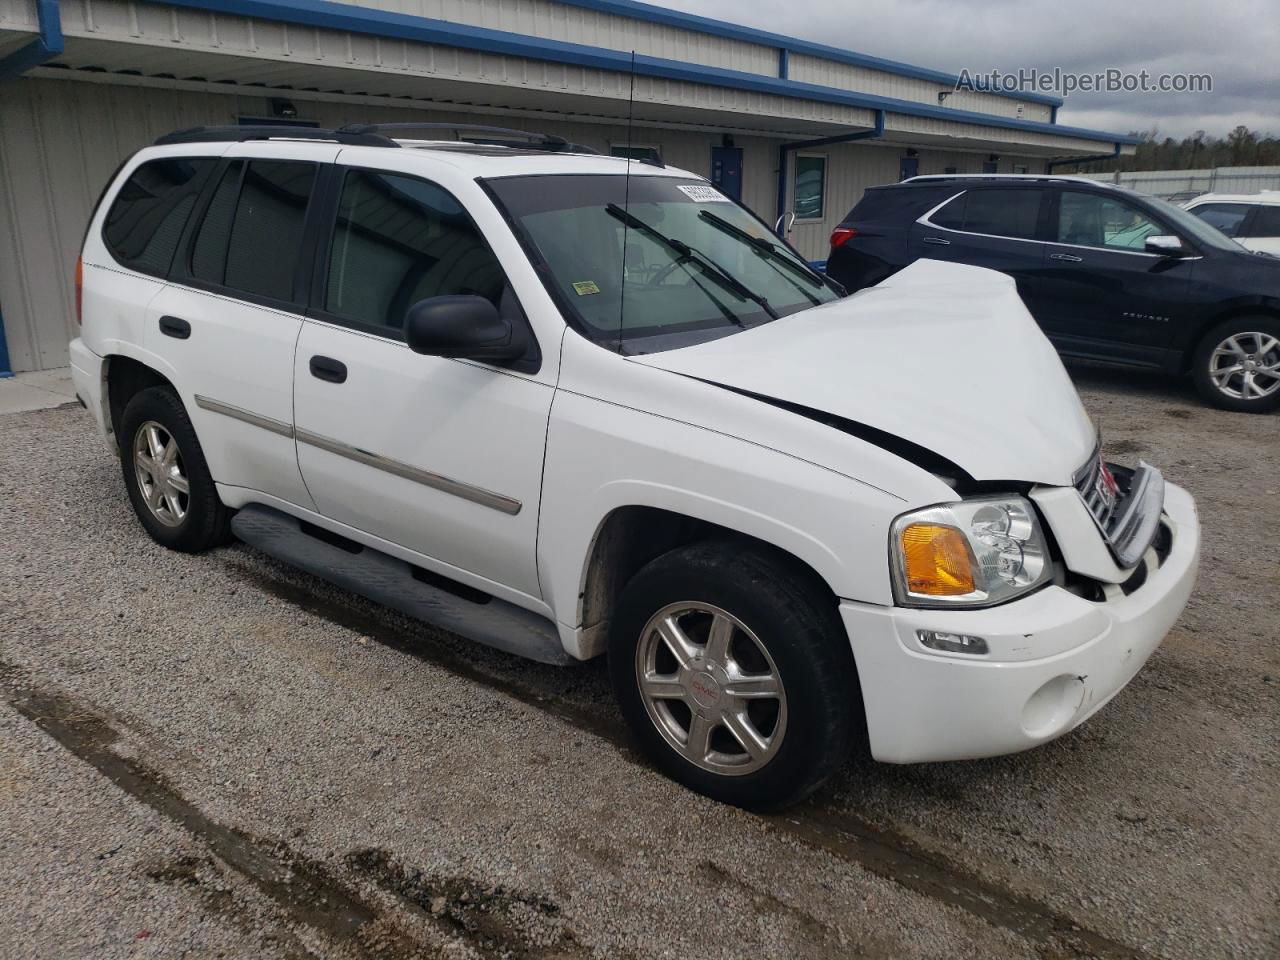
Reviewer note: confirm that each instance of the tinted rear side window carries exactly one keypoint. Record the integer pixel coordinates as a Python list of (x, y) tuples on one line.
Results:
[(399, 240), (994, 211), (146, 218), (251, 235)]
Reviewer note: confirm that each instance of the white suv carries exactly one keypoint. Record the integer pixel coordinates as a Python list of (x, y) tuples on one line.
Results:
[(568, 404), (1251, 219)]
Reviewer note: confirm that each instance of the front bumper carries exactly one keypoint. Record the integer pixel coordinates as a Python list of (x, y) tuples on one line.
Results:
[(1055, 658)]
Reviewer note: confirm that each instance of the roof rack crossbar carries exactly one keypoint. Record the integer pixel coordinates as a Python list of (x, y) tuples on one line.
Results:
[(239, 134), (475, 132)]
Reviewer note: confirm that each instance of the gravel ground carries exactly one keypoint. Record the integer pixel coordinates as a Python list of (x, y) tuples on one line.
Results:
[(217, 756)]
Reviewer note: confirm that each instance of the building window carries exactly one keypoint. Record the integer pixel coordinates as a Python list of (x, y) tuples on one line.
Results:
[(951, 170), (637, 151), (1020, 168), (811, 187)]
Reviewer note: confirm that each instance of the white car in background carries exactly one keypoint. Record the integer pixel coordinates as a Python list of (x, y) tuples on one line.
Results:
[(569, 405), (1250, 219)]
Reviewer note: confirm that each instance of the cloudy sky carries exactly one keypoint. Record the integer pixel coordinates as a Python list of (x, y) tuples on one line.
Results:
[(1237, 43)]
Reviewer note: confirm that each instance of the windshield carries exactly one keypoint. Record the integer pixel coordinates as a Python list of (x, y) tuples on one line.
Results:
[(696, 265)]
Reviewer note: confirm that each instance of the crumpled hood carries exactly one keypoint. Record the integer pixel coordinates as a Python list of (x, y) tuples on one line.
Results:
[(940, 354)]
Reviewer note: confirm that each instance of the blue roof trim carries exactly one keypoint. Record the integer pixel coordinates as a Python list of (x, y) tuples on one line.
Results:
[(720, 28), (342, 16), (46, 45)]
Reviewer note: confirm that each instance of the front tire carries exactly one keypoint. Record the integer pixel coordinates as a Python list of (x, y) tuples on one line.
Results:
[(733, 670), (169, 483), (1236, 365)]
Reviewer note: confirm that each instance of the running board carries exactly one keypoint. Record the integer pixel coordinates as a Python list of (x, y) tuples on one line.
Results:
[(400, 585)]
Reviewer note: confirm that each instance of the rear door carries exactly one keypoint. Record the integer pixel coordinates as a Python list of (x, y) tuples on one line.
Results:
[(230, 316), (989, 226), (1106, 297)]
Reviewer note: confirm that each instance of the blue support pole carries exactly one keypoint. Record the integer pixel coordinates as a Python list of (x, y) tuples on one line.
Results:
[(875, 133), (6, 370)]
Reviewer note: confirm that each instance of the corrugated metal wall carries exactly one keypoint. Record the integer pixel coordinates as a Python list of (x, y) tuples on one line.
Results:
[(1166, 183), (60, 140)]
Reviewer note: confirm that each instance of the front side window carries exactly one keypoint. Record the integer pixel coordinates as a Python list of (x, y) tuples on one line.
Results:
[(811, 187), (1092, 220), (660, 257), (1266, 222), (251, 235), (399, 240), (1227, 217), (146, 218), (994, 211)]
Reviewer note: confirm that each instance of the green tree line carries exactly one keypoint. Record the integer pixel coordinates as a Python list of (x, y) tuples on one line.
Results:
[(1241, 147)]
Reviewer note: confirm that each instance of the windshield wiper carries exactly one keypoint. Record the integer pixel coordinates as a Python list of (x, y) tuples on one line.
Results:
[(768, 251), (686, 252)]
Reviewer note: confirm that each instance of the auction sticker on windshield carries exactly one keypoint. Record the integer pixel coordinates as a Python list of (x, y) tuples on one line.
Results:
[(700, 194), (585, 287)]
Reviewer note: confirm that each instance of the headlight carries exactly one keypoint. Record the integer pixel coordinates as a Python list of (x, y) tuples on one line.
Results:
[(972, 553)]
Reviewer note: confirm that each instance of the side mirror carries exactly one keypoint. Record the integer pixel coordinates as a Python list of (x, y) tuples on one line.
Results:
[(460, 326), (1165, 246)]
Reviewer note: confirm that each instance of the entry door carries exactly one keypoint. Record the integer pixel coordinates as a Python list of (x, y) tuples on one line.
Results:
[(908, 167), (1105, 295), (439, 456), (726, 171)]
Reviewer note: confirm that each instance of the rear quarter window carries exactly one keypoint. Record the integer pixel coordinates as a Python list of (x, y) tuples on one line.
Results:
[(147, 216)]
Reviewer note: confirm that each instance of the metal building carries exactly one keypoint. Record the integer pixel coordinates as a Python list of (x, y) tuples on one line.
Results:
[(783, 124)]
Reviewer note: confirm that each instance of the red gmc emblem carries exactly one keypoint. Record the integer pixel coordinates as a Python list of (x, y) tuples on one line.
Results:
[(1106, 487)]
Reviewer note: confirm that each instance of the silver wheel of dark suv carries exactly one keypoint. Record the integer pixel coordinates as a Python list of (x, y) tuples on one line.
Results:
[(1236, 365)]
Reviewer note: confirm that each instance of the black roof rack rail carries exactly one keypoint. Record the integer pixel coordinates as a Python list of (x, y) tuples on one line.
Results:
[(475, 133), (239, 134)]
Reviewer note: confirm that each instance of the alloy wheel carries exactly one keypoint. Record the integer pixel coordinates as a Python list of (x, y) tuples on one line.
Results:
[(1246, 366), (711, 688), (157, 463)]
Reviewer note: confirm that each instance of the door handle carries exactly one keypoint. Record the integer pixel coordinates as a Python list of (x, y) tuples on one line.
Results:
[(175, 327), (1069, 257), (327, 368), (939, 241)]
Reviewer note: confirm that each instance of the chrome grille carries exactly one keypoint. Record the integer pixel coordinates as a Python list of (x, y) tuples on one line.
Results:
[(1126, 512), (1097, 494)]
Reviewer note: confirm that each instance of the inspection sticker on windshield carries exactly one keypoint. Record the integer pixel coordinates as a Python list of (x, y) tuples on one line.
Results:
[(585, 287), (700, 194)]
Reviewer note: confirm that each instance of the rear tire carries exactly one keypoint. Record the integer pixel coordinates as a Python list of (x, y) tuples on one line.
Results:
[(747, 623), (166, 474), (1236, 365)]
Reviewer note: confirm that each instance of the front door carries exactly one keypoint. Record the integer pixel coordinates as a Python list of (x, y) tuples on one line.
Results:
[(908, 167), (1104, 295), (442, 457), (726, 171)]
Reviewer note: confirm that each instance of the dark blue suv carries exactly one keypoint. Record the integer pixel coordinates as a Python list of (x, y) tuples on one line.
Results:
[(1109, 274)]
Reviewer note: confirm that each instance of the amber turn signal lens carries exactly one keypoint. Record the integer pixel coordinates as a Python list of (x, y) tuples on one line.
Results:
[(937, 560)]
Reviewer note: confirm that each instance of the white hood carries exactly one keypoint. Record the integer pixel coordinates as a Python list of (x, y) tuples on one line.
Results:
[(943, 355)]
